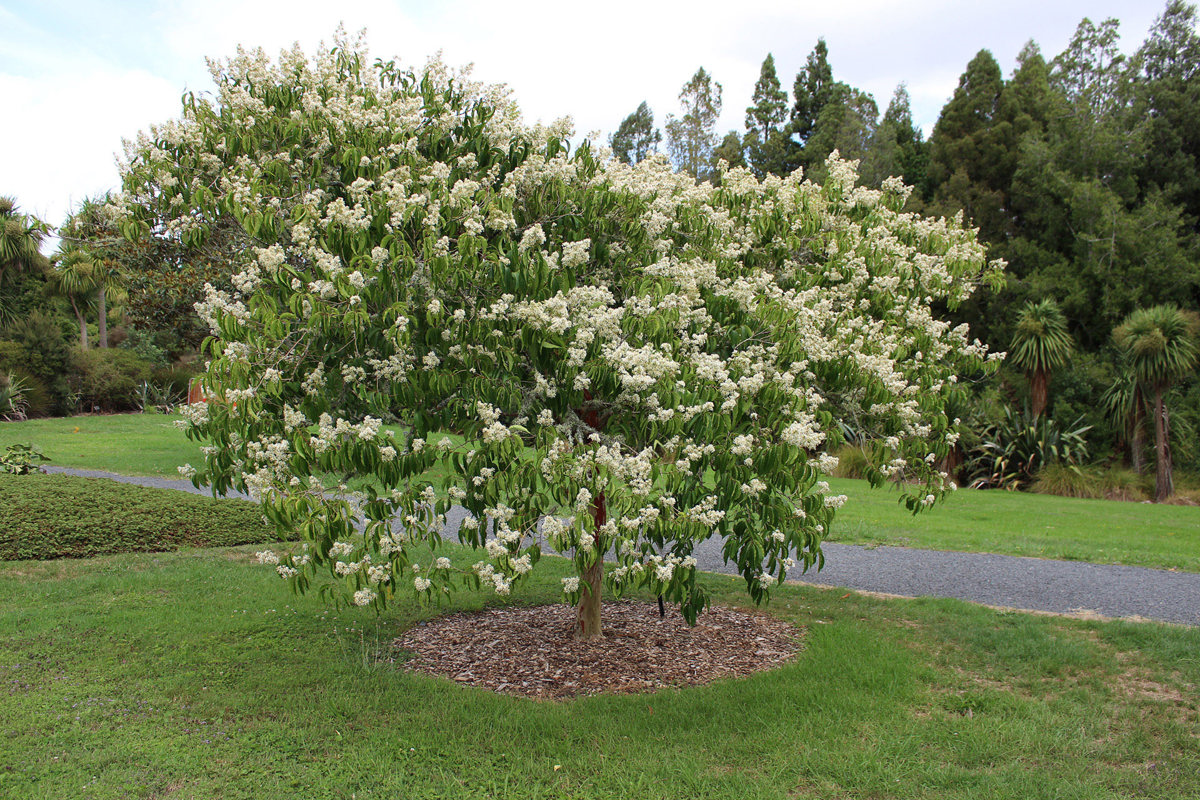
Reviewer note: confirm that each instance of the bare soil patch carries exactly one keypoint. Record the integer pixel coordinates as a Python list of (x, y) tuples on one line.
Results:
[(1138, 683), (529, 651)]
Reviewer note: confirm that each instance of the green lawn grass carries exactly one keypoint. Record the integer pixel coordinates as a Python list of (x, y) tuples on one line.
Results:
[(1025, 524), (131, 444), (1099, 531), (195, 675)]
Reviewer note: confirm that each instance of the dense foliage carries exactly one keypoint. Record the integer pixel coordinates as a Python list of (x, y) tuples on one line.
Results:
[(1081, 171), (1013, 452), (672, 357), (60, 516)]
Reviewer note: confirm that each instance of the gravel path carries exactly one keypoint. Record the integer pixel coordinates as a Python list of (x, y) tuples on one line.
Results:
[(1033, 584)]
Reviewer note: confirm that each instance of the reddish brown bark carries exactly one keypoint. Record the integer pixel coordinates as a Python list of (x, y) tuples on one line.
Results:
[(1038, 391), (1164, 487), (587, 613)]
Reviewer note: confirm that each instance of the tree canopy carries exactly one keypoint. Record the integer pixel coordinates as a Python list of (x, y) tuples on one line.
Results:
[(691, 137), (636, 137), (635, 361)]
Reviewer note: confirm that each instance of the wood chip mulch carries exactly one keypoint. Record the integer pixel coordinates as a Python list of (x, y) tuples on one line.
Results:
[(528, 651)]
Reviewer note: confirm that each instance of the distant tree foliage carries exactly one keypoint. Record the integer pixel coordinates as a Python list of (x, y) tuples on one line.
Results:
[(767, 142), (897, 148), (636, 137), (691, 137)]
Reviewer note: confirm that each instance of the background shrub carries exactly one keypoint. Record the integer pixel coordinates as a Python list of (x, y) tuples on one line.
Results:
[(143, 344), (1114, 483), (11, 355), (852, 461), (176, 377), (62, 516), (44, 354), (108, 380), (1013, 451)]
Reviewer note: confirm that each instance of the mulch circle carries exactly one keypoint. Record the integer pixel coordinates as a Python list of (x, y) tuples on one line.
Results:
[(528, 651)]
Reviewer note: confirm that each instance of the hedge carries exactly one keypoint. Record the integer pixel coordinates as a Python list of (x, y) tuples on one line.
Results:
[(62, 516)]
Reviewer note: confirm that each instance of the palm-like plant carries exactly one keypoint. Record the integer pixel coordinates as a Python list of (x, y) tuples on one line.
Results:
[(90, 230), (1040, 345), (1162, 345), (13, 402), (1125, 406), (21, 238), (75, 278)]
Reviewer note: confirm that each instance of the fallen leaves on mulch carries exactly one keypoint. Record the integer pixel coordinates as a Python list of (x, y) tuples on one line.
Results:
[(529, 651)]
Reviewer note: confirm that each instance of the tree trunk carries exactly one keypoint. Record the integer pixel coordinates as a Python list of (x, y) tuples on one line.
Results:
[(1137, 439), (953, 462), (587, 613), (1163, 486), (83, 344), (1038, 393), (103, 321)]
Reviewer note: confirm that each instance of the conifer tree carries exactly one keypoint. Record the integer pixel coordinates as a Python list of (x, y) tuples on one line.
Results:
[(767, 143), (813, 88), (897, 148)]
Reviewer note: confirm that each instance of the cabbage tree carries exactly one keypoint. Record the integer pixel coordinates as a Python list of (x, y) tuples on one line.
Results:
[(74, 277), (1162, 345), (21, 237), (1040, 345)]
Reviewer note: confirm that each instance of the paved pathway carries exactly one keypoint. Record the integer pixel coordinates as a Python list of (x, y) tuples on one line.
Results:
[(1024, 583)]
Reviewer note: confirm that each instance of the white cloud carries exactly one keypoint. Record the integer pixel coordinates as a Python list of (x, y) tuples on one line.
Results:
[(71, 130)]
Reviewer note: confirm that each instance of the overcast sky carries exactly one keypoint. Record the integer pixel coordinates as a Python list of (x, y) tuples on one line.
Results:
[(77, 76)]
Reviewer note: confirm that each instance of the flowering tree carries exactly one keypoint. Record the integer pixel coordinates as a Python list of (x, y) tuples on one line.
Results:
[(636, 362)]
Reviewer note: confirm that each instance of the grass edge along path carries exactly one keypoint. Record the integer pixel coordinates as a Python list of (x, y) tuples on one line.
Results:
[(222, 684), (1108, 590), (1009, 523)]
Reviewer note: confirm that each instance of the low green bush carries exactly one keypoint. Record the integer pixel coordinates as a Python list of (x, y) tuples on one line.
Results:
[(853, 461), (109, 379), (34, 392), (44, 355), (1064, 480), (21, 459), (12, 355), (62, 516)]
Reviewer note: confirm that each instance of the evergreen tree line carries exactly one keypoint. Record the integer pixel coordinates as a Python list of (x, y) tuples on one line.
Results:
[(1082, 171)]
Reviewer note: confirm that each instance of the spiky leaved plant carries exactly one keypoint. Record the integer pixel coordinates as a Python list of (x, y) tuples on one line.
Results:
[(1040, 345)]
